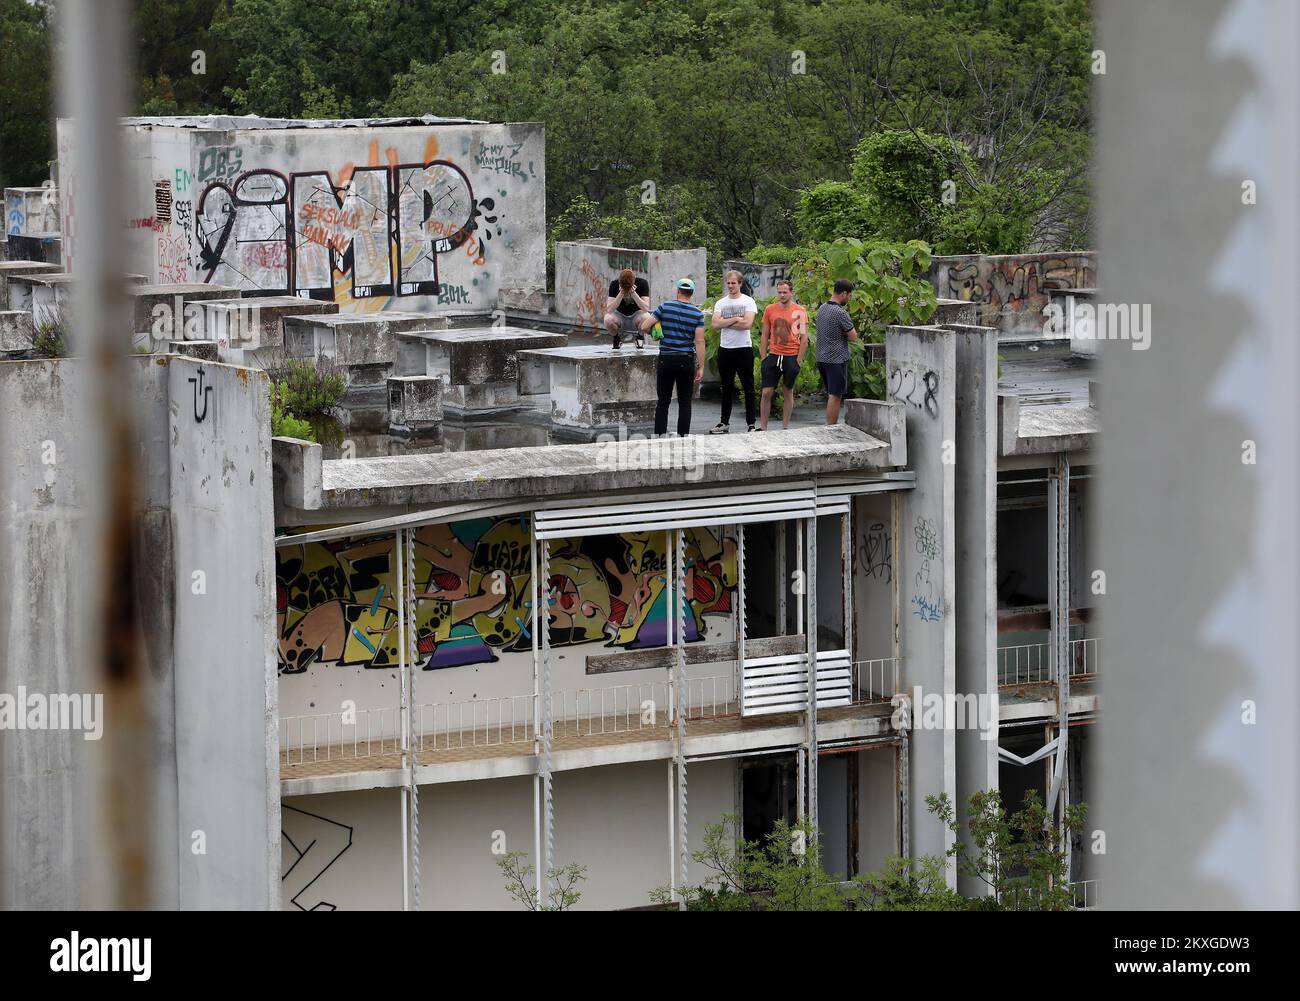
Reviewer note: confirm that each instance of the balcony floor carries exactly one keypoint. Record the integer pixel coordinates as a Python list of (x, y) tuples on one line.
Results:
[(569, 735)]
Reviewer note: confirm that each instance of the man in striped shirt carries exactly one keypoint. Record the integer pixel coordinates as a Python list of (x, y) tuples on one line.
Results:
[(681, 353)]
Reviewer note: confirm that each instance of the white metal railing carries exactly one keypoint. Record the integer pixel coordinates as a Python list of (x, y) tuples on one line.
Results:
[(1083, 658), (473, 723), (1032, 663), (360, 733), (876, 680), (1029, 663), (1084, 892), (712, 697)]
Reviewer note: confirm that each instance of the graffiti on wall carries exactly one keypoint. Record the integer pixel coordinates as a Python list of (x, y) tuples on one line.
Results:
[(15, 216), (927, 598), (337, 601), (310, 845), (1013, 292), (370, 233)]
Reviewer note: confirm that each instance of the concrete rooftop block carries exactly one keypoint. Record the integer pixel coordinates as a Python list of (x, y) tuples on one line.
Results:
[(253, 322), (593, 385), (414, 403), (883, 419), (596, 467), (479, 366), (1044, 430), (353, 338), (16, 330), (204, 350), (164, 311), (10, 269)]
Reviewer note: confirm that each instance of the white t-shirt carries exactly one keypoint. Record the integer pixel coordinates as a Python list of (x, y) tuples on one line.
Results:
[(727, 307)]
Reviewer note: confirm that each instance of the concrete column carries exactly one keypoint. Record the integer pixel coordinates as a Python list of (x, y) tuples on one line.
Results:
[(921, 367), (976, 548)]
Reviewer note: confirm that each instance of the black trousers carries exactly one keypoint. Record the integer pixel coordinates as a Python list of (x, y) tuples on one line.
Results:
[(734, 362), (676, 369)]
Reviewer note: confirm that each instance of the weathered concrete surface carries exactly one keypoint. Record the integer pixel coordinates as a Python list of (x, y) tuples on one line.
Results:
[(593, 386), (598, 467), (161, 313), (951, 311), (1012, 291), (479, 366), (584, 270), (1043, 430), (354, 339), (9, 269), (975, 545), (437, 214), (47, 247), (883, 419), (414, 403), (30, 211), (203, 350), (16, 330), (227, 742), (296, 468), (921, 370), (250, 324), (47, 644), (762, 278)]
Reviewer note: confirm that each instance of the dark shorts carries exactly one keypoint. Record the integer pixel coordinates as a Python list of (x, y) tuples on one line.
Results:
[(779, 368), (836, 377)]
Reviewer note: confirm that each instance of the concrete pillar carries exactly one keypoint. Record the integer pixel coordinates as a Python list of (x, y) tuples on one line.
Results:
[(921, 371), (976, 475)]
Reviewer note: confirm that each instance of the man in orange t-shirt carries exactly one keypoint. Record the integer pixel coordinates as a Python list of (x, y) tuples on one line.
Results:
[(784, 344)]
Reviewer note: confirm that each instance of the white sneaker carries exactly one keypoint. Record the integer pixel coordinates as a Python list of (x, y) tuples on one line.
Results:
[(720, 428)]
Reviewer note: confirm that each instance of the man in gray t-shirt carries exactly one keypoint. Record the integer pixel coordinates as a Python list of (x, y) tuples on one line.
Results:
[(834, 331)]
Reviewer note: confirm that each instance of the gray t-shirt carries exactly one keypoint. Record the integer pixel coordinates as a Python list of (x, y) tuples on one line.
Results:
[(833, 324)]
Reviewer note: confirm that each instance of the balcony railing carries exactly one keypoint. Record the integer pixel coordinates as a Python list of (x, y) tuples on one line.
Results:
[(1032, 663), (507, 721)]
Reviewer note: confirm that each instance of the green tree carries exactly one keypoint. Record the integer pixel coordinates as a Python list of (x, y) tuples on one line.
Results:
[(562, 894), (26, 100), (890, 288)]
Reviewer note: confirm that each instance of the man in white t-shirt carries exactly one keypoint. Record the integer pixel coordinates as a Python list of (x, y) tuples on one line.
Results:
[(733, 315)]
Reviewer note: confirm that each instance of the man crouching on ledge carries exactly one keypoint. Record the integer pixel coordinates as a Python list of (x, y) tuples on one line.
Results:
[(626, 308)]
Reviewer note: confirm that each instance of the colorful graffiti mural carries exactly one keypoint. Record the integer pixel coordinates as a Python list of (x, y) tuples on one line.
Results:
[(1012, 292), (337, 601)]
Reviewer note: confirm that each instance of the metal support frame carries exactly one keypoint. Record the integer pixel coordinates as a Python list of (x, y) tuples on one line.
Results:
[(742, 625), (403, 717), (782, 583), (1058, 552), (411, 659), (810, 597), (547, 861), (679, 578), (535, 605)]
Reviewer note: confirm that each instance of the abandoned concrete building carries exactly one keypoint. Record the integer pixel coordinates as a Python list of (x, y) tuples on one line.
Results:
[(492, 615)]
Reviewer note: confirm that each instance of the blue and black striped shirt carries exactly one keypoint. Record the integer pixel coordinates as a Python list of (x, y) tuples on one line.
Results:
[(679, 321)]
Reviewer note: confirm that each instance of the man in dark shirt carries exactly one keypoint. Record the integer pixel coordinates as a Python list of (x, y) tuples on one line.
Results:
[(681, 352), (627, 305), (834, 331)]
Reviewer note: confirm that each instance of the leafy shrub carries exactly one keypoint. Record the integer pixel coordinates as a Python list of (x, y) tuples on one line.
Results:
[(284, 424), (51, 338), (308, 389), (762, 253)]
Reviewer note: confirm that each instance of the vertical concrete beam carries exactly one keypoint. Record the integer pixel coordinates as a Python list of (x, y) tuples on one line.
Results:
[(921, 372), (976, 549)]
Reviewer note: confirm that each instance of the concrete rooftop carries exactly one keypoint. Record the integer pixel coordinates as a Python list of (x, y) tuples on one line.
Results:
[(596, 467)]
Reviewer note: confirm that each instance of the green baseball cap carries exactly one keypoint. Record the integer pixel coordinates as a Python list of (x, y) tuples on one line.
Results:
[(686, 284)]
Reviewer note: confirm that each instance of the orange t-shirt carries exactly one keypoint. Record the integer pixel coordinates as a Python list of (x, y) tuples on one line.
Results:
[(785, 324)]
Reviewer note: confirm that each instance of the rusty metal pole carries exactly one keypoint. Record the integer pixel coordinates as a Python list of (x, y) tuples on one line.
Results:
[(118, 854)]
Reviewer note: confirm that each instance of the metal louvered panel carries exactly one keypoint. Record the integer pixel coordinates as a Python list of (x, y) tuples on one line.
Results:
[(674, 512), (780, 684)]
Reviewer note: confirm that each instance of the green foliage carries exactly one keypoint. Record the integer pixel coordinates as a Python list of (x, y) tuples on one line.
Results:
[(890, 288), (26, 98), (284, 424), (518, 875), (783, 874), (832, 209), (309, 389), (762, 253), (1022, 856), (52, 336)]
